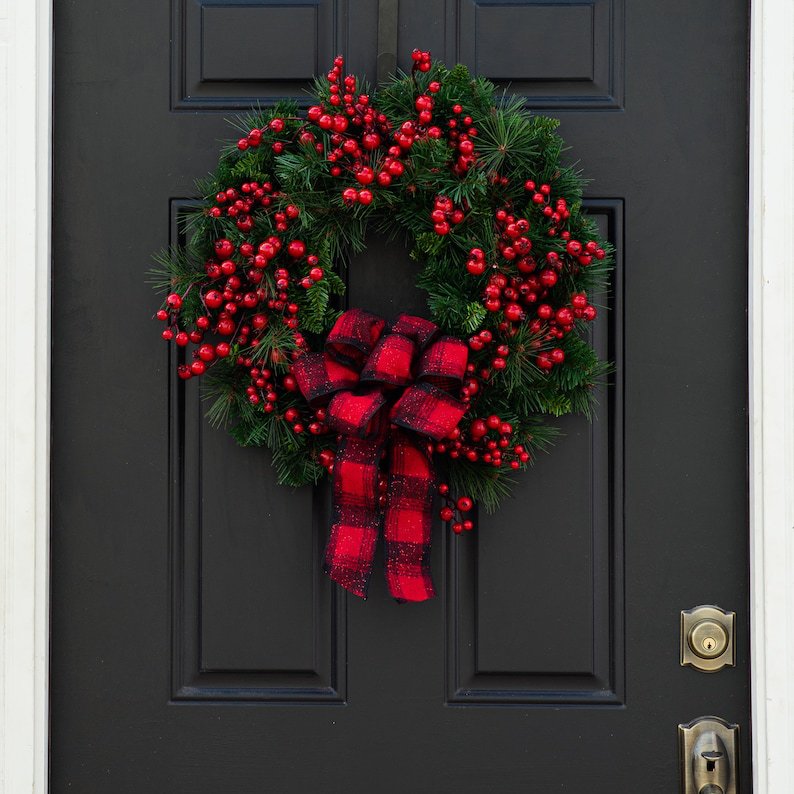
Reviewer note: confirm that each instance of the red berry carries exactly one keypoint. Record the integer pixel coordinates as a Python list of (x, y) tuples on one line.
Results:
[(213, 299), (564, 316), (206, 352), (544, 362), (465, 504), (478, 429), (223, 248), (365, 176), (579, 301), (296, 249), (513, 312), (447, 514)]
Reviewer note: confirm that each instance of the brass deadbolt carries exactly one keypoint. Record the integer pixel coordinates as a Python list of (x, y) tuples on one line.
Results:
[(707, 638)]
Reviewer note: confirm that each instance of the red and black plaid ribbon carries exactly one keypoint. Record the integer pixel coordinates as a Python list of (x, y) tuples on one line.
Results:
[(387, 393)]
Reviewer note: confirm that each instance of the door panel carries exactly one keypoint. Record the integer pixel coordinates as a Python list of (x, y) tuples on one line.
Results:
[(196, 645)]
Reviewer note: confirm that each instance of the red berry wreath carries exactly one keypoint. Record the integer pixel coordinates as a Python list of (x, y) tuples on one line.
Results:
[(507, 258)]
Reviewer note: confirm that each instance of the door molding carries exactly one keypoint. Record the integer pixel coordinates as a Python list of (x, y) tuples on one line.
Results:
[(25, 195), (771, 389), (25, 179)]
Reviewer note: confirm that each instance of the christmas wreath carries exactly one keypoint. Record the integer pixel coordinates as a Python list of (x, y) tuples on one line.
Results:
[(396, 411)]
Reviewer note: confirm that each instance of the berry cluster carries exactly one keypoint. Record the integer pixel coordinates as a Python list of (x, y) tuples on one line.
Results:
[(445, 215), (454, 509), (256, 137), (357, 131), (238, 303), (487, 441), (520, 287)]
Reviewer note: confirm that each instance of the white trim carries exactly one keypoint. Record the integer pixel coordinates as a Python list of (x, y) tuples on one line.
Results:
[(25, 191), (772, 392), (25, 196)]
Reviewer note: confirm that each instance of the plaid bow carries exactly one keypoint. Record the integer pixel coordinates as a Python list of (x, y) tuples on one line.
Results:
[(387, 392)]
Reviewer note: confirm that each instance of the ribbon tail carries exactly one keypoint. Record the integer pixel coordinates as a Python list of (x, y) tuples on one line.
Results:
[(408, 520), (356, 521)]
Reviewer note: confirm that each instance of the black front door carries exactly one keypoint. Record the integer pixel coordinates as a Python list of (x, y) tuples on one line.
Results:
[(196, 646)]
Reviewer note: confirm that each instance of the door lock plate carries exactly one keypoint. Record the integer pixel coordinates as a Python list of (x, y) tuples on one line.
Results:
[(709, 756), (707, 638)]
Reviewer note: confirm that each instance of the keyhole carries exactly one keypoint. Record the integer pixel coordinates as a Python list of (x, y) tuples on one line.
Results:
[(709, 643)]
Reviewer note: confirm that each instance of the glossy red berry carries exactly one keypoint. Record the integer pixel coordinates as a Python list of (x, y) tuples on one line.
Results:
[(223, 248), (296, 249)]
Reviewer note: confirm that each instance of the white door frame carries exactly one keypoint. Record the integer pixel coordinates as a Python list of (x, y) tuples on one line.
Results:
[(25, 193), (771, 389), (25, 215)]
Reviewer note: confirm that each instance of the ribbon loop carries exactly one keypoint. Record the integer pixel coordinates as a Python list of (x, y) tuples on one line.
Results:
[(319, 376), (353, 336), (417, 328), (391, 361), (353, 414), (444, 362), (427, 410), (359, 377)]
